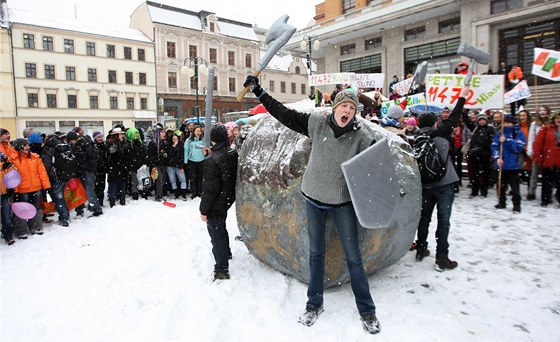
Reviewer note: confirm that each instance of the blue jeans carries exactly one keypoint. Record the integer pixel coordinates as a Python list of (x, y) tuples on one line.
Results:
[(88, 181), (57, 195), (7, 223), (442, 196), (174, 173), (347, 226), (220, 242)]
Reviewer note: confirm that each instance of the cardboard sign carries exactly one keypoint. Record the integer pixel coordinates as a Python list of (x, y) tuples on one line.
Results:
[(410, 101), (487, 91), (403, 86), (368, 80), (324, 79), (519, 92), (547, 64)]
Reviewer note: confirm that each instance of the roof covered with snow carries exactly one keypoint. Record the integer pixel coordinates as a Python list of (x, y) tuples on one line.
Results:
[(281, 61), (27, 17), (236, 29)]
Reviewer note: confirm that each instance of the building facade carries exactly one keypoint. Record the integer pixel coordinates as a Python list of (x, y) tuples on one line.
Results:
[(7, 100), (67, 73), (392, 37)]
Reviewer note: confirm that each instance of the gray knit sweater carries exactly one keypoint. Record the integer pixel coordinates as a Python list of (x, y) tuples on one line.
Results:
[(323, 179)]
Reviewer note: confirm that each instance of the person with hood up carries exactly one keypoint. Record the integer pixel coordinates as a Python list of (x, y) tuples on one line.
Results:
[(336, 137), (507, 148), (34, 178), (138, 156), (546, 153), (218, 194)]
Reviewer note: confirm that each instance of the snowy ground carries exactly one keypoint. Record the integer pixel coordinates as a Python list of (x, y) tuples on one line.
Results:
[(142, 273)]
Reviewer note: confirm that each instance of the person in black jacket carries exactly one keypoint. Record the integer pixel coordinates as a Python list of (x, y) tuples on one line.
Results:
[(85, 144), (218, 194), (118, 164), (440, 193), (480, 153), (175, 171), (157, 159), (101, 171), (139, 157)]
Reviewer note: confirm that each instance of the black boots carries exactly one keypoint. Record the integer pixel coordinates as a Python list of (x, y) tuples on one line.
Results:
[(421, 250), (443, 263)]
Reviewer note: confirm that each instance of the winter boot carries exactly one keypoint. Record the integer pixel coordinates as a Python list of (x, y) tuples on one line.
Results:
[(221, 275), (500, 205), (135, 196), (309, 317), (122, 200), (531, 197), (443, 263), (9, 240), (421, 251), (370, 324), (517, 208), (111, 202), (177, 193), (184, 194)]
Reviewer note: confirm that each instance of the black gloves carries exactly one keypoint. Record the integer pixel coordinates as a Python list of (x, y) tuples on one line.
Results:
[(10, 192), (253, 83), (6, 165)]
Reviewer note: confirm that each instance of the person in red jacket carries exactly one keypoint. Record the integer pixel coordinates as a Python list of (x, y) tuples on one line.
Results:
[(546, 154), (34, 178)]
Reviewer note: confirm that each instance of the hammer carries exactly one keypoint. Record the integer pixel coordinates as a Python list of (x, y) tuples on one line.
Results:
[(476, 55), (279, 33)]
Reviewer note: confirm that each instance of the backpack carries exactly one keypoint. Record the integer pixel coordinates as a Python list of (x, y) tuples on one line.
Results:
[(65, 162), (431, 164)]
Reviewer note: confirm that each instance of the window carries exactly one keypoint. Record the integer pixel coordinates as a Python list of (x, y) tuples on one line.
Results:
[(49, 72), (417, 32), (110, 51), (143, 103), (193, 83), (141, 54), (283, 87), (450, 25), (363, 65), (298, 70), (112, 76), (172, 79), (130, 103), (500, 6), (232, 84), (32, 100), (113, 102), (93, 102), (271, 86), (303, 89), (72, 101), (92, 74), (193, 51), (215, 84), (346, 49), (128, 77), (373, 43), (30, 70), (90, 48), (170, 49), (248, 60), (347, 5), (51, 100), (47, 43), (127, 53), (213, 56), (231, 57), (69, 45), (28, 41), (142, 78), (70, 73), (212, 27), (294, 88)]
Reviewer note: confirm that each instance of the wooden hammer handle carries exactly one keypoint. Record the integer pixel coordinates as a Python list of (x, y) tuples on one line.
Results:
[(245, 90)]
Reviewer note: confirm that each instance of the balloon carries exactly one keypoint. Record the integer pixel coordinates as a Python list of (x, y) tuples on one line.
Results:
[(12, 179), (73, 183), (24, 210)]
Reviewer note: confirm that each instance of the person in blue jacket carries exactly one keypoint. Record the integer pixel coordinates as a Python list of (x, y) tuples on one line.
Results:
[(194, 158), (513, 141)]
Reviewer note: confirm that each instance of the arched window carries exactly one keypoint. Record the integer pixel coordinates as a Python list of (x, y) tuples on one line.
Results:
[(297, 70)]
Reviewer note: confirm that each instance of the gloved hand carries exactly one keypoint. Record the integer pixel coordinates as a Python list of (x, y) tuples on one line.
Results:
[(3, 157), (10, 192), (253, 83), (6, 165)]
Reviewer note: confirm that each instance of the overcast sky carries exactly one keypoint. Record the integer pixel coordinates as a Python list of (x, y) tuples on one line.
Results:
[(260, 12)]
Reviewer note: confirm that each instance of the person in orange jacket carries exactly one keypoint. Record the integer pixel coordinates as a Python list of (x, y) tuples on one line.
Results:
[(546, 154), (7, 155), (34, 178)]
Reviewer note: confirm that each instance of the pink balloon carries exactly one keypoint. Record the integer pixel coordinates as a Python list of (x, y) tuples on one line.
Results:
[(12, 179), (24, 210)]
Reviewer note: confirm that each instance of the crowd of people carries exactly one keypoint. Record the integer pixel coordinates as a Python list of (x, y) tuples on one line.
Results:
[(157, 163)]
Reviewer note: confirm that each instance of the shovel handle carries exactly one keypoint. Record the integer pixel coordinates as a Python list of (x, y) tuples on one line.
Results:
[(245, 90)]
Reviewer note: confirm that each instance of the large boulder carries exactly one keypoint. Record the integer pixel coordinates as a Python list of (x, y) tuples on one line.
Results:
[(271, 210)]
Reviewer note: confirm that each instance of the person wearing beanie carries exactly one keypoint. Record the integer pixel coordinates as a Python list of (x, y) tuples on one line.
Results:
[(442, 192), (507, 148), (393, 121), (34, 178), (479, 153), (411, 130), (336, 137), (218, 194)]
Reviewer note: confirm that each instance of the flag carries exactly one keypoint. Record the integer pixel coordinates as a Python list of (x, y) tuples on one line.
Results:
[(547, 64)]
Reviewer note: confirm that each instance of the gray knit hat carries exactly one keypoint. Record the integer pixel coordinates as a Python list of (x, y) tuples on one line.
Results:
[(395, 112), (482, 116), (346, 95)]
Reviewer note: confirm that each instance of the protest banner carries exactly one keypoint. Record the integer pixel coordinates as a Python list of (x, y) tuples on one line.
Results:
[(403, 86), (519, 92), (487, 91), (367, 81), (546, 64), (410, 101), (325, 79)]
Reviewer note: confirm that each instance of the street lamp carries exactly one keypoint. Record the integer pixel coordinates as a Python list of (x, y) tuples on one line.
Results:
[(307, 42), (191, 66)]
